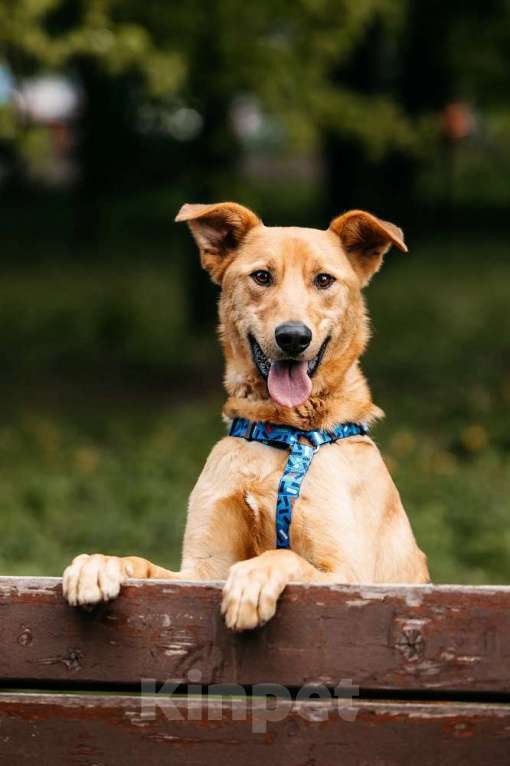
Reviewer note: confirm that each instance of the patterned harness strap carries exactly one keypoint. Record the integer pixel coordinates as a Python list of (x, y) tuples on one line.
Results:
[(298, 462)]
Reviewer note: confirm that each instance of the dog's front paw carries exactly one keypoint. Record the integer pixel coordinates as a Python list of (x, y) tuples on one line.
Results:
[(250, 594), (90, 579)]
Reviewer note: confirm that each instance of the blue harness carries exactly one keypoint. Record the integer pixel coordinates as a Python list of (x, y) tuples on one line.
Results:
[(298, 461)]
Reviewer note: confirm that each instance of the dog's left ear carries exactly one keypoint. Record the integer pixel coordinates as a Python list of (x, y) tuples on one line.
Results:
[(218, 230), (365, 239)]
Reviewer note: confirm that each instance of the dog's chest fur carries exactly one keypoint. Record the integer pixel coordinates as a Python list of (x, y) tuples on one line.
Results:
[(325, 517)]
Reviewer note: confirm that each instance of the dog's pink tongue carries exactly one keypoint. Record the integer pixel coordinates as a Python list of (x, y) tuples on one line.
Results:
[(289, 383)]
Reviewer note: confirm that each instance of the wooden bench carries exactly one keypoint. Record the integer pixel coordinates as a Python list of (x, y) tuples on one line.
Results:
[(367, 675)]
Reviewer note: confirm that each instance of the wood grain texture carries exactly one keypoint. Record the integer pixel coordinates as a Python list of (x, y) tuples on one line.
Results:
[(111, 730), (386, 638)]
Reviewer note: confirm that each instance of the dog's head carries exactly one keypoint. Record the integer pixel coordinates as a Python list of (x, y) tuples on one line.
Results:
[(291, 310)]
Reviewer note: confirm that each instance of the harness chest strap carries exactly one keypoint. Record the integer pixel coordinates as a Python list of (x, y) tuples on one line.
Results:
[(298, 462)]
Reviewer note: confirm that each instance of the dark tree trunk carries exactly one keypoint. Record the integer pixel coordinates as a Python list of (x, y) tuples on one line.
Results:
[(418, 76), (213, 159), (350, 176), (107, 145)]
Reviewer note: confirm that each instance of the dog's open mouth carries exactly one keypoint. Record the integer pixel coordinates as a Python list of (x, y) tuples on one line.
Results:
[(289, 381)]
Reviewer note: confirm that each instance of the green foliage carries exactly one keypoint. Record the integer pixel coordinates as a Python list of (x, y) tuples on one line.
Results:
[(282, 52), (286, 53), (107, 317), (115, 478), (477, 43), (473, 174), (295, 57), (37, 34), (438, 365)]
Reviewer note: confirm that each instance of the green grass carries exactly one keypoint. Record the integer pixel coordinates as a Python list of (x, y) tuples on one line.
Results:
[(108, 410), (115, 478)]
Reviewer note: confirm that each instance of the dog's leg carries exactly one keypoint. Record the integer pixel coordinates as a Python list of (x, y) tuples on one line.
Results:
[(254, 586), (212, 543)]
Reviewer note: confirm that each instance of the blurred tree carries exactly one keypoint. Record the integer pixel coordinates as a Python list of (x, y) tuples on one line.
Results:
[(202, 55), (52, 33), (438, 54), (105, 52), (281, 51), (359, 79)]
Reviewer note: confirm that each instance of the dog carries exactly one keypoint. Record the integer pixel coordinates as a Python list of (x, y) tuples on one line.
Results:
[(293, 325)]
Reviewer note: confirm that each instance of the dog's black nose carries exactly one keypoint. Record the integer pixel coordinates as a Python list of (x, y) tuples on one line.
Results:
[(293, 337)]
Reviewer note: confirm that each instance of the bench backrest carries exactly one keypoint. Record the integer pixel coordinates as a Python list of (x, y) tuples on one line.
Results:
[(375, 675)]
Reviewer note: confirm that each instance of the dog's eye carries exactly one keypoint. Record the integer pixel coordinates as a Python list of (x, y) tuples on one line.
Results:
[(323, 281), (262, 277)]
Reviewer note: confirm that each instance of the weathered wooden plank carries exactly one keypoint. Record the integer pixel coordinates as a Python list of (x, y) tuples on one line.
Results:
[(414, 638), (105, 731)]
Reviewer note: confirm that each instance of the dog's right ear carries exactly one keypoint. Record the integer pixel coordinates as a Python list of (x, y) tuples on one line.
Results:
[(218, 230)]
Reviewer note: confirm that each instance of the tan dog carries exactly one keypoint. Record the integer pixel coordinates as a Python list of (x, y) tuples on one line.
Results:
[(293, 326)]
